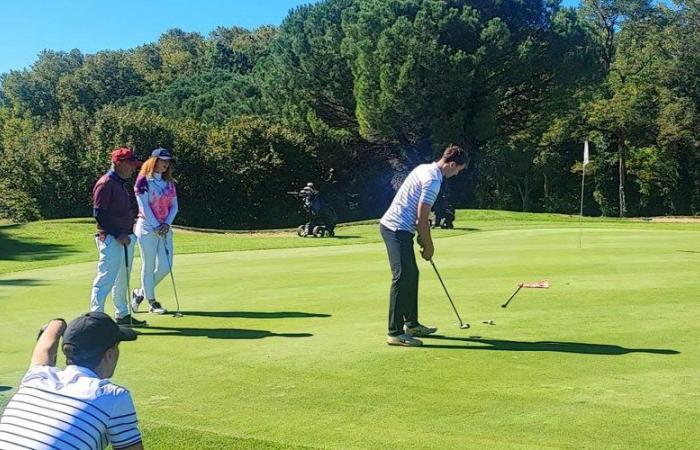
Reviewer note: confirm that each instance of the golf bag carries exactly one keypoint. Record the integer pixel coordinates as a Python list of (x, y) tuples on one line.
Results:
[(321, 218), (444, 212)]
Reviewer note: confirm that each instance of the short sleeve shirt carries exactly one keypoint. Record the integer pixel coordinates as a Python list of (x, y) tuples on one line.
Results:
[(421, 186), (68, 409)]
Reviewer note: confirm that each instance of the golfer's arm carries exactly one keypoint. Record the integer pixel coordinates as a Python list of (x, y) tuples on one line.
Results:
[(172, 213), (46, 346), (423, 225), (145, 207)]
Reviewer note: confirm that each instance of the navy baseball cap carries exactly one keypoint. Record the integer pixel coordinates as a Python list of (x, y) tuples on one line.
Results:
[(162, 153), (92, 334)]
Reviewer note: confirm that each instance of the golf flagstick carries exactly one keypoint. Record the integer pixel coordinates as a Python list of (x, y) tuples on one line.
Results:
[(544, 284), (520, 286), (583, 182)]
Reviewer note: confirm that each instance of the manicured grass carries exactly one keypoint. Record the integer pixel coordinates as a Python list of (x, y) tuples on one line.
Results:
[(57, 242), (283, 347)]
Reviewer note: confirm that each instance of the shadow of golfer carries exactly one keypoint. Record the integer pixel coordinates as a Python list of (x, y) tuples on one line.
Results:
[(254, 314), (217, 333), (687, 251), (21, 282), (544, 346), (5, 388)]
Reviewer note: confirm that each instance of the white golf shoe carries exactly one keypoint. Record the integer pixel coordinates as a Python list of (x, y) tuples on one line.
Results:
[(136, 299), (156, 308), (404, 340)]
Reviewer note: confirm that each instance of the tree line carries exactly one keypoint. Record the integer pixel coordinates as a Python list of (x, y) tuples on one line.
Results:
[(352, 94)]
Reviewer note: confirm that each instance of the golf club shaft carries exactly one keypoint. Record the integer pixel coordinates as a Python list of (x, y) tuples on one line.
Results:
[(172, 277), (128, 288), (520, 286), (448, 294)]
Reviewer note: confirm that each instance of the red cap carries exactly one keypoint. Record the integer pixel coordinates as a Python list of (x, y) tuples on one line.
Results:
[(125, 154)]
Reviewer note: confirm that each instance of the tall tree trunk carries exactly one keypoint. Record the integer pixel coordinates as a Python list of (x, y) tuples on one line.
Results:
[(524, 191), (622, 171)]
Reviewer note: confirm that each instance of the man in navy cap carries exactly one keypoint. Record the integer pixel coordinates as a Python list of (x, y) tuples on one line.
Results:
[(77, 407), (115, 237)]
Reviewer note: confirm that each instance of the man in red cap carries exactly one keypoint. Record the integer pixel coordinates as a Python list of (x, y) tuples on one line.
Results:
[(115, 236)]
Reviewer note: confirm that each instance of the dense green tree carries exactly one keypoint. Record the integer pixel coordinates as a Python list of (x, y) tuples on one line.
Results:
[(306, 80), (352, 94), (211, 97), (33, 91), (104, 78), (238, 49)]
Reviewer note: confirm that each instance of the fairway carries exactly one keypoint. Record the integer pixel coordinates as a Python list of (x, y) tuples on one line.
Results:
[(284, 347)]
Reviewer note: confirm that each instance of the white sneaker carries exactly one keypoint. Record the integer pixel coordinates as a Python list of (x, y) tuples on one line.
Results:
[(420, 330), (156, 308), (136, 299), (404, 340)]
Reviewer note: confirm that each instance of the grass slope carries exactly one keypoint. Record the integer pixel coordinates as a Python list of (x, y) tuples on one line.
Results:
[(283, 347)]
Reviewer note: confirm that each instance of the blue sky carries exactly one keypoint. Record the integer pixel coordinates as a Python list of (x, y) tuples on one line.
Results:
[(29, 26)]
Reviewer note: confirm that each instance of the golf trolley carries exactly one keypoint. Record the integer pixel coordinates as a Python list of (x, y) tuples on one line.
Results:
[(321, 218), (444, 212)]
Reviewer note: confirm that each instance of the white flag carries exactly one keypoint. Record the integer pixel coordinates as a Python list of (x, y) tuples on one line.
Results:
[(585, 153)]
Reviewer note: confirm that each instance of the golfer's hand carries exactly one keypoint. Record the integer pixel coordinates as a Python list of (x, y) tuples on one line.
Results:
[(124, 239), (163, 229), (46, 325), (427, 251)]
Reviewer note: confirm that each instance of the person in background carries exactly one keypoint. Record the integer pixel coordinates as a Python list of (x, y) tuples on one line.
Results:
[(115, 237), (157, 200)]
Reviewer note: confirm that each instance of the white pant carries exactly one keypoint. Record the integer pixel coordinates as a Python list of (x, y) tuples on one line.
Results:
[(112, 275), (156, 262)]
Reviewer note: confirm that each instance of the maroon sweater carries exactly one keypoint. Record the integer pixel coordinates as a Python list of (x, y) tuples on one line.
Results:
[(112, 206)]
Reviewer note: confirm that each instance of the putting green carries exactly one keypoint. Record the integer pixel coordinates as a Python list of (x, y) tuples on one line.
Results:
[(284, 347)]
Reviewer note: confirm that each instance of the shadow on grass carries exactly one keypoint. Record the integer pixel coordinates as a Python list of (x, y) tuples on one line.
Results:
[(346, 237), (217, 333), (687, 251), (28, 249), (545, 346), (254, 314), (21, 282), (459, 229), (5, 388)]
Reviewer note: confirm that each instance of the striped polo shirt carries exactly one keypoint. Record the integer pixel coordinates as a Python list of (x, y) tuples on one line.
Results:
[(421, 186), (68, 409)]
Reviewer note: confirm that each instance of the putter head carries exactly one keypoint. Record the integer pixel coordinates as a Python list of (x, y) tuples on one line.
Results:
[(177, 314), (464, 326)]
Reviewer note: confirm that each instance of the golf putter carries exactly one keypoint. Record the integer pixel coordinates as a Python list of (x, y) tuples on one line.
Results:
[(520, 286), (462, 325)]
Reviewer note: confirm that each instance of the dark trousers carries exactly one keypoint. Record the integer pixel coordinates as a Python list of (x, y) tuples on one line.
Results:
[(403, 297)]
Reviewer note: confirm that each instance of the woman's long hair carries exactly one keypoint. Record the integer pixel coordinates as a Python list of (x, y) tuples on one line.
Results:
[(149, 167)]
